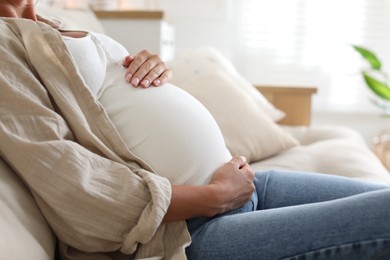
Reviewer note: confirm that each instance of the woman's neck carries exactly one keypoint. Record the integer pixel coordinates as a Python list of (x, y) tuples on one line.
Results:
[(18, 9)]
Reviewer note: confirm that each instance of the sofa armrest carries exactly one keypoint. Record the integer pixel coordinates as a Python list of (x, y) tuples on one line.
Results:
[(294, 101)]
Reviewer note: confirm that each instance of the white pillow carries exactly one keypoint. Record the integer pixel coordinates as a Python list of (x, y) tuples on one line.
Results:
[(168, 129), (247, 129), (198, 61), (25, 233), (345, 152)]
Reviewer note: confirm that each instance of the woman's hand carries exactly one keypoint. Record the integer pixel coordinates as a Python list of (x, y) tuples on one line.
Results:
[(146, 69), (230, 188), (234, 184)]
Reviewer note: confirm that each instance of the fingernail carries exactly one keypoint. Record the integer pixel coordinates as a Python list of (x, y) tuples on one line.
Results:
[(145, 83), (135, 81), (128, 77), (125, 62), (157, 82)]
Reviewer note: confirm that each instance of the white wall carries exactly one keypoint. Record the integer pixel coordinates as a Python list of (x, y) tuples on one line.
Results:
[(211, 22), (197, 22), (201, 23)]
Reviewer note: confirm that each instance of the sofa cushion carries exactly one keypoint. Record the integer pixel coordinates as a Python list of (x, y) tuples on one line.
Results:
[(25, 233), (329, 149), (247, 128)]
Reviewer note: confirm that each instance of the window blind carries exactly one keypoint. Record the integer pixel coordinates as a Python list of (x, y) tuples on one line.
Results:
[(308, 42)]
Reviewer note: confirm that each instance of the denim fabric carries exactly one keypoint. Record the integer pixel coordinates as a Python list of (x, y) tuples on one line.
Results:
[(299, 216)]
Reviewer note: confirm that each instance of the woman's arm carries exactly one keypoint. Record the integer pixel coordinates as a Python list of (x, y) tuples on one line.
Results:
[(231, 187), (146, 69)]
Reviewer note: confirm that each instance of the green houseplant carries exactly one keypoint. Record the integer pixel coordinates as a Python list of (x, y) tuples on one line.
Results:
[(375, 78), (378, 81)]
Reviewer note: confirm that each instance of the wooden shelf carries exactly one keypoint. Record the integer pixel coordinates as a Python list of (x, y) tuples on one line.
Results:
[(130, 14), (294, 101)]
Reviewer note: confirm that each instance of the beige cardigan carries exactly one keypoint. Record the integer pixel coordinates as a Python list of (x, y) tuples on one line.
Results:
[(95, 194)]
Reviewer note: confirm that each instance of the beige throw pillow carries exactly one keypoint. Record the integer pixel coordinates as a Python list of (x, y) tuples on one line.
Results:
[(202, 60), (246, 128)]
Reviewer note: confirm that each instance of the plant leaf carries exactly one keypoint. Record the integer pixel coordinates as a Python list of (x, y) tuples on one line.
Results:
[(379, 88), (369, 56)]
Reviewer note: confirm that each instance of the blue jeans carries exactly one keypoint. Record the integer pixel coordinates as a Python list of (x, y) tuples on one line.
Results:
[(299, 216)]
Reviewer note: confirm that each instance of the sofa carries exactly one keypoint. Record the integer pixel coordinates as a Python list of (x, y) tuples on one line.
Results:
[(273, 134)]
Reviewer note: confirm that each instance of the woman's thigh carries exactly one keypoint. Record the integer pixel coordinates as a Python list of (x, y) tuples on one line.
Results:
[(286, 188), (345, 221)]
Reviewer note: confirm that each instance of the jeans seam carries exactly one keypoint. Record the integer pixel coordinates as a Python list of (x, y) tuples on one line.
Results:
[(265, 190)]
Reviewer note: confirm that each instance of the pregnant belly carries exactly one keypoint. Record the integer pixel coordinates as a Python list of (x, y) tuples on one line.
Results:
[(168, 129)]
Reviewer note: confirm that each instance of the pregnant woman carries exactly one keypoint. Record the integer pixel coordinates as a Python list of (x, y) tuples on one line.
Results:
[(124, 165)]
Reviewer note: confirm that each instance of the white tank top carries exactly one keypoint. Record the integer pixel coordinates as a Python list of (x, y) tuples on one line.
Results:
[(93, 54), (164, 126)]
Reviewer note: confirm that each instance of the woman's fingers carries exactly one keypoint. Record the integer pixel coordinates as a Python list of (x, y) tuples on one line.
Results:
[(127, 60), (243, 166), (240, 161), (146, 69), (158, 76), (235, 180)]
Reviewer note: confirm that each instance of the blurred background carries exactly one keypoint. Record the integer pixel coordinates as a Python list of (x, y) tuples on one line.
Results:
[(285, 42)]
